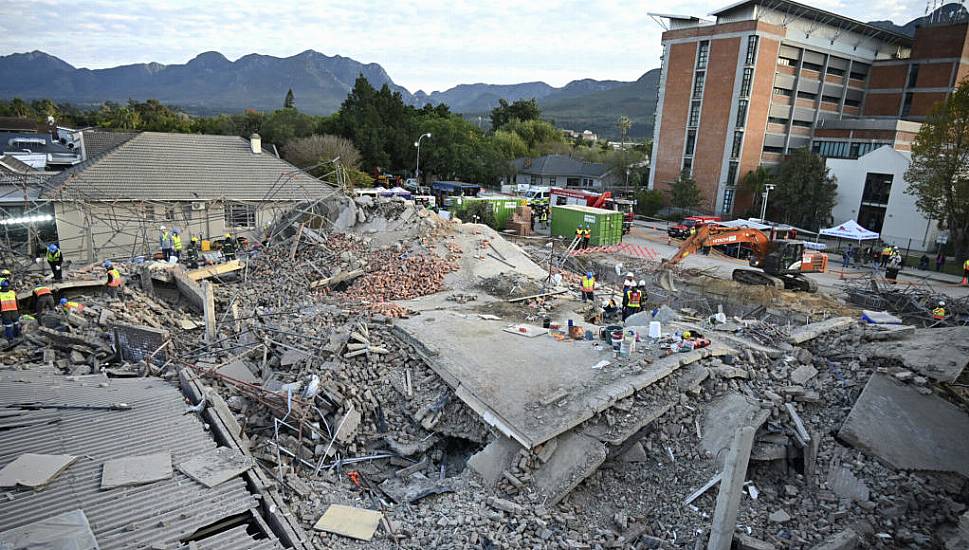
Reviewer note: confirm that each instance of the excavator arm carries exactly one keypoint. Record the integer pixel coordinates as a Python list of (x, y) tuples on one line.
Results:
[(600, 202), (715, 235)]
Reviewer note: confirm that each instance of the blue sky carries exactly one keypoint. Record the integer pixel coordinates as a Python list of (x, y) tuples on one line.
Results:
[(426, 44)]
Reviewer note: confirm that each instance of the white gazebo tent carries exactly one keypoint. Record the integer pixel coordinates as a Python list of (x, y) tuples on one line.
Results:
[(850, 230)]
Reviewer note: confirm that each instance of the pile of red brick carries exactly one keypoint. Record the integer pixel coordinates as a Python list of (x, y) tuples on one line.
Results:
[(521, 221), (393, 277)]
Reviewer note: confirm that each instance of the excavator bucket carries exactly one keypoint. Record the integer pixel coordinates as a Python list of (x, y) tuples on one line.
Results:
[(664, 279)]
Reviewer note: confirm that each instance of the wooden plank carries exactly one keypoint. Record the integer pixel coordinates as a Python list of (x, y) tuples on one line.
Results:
[(213, 270), (553, 293), (337, 279), (349, 521)]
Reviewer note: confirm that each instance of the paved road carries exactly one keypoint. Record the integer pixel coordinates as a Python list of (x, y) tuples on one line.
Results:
[(830, 282)]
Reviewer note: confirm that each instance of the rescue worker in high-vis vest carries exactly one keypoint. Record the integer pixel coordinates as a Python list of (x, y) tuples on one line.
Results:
[(115, 281), (886, 255), (55, 259), (965, 273), (579, 233), (165, 242), (6, 275), (939, 312), (176, 243), (634, 301), (71, 307), (43, 300), (586, 236), (588, 287), (9, 312)]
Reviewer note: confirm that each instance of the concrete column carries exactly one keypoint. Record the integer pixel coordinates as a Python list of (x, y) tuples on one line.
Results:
[(208, 310), (731, 489)]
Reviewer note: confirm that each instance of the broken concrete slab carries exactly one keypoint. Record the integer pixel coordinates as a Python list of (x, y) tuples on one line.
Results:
[(216, 466), (207, 272), (846, 485), (745, 542), (239, 370), (812, 330), (724, 417), (136, 470), (802, 374), (508, 393), (939, 353), (908, 429), (34, 470), (494, 459), (348, 425), (575, 458), (349, 521), (412, 491), (844, 540), (67, 531), (731, 489)]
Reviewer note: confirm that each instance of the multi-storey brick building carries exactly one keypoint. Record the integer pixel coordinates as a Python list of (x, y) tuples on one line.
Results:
[(770, 76)]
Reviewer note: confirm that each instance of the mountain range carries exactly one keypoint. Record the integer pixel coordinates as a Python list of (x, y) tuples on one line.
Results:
[(210, 83)]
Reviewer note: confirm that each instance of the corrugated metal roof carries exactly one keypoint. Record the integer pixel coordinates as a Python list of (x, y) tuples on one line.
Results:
[(560, 165), (160, 513), (185, 167)]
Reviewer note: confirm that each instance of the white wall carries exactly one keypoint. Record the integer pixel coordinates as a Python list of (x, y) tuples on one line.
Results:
[(559, 181), (903, 222)]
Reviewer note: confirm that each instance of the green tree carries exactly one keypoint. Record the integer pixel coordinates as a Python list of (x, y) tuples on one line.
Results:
[(804, 192), (939, 174), (753, 183), (521, 110), (290, 101), (685, 193), (311, 150), (649, 202), (510, 144), (540, 136)]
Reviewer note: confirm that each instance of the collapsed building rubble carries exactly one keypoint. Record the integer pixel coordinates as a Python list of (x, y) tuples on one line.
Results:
[(397, 380)]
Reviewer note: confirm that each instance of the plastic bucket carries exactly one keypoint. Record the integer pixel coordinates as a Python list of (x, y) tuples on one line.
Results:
[(655, 329)]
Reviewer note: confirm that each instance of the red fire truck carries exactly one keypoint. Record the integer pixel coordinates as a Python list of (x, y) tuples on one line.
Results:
[(559, 196)]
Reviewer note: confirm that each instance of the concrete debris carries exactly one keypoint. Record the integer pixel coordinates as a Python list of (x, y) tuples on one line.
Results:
[(925, 432), (69, 530), (349, 521), (939, 353), (216, 466), (136, 470), (731, 488), (34, 470)]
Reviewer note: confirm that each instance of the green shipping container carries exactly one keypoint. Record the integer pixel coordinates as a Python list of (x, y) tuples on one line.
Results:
[(606, 225), (503, 207)]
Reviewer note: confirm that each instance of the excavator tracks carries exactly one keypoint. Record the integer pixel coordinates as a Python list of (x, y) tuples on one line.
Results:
[(753, 277)]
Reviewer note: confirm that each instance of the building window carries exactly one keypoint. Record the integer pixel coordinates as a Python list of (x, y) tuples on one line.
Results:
[(874, 200), (784, 92), (775, 120), (801, 123), (773, 149), (169, 213), (830, 99), (149, 212), (831, 149), (738, 141), (240, 215), (859, 71), (812, 66), (741, 113), (728, 200), (907, 104), (852, 103), (532, 179), (787, 61), (702, 55), (694, 114), (834, 71), (913, 74), (746, 82), (732, 173), (698, 84), (806, 95), (751, 49), (687, 167), (573, 182), (551, 180), (690, 142)]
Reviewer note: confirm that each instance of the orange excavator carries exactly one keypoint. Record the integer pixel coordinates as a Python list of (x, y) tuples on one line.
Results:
[(781, 263)]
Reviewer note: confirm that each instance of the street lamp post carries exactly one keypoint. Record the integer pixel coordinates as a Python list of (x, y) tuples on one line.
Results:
[(417, 172), (763, 207)]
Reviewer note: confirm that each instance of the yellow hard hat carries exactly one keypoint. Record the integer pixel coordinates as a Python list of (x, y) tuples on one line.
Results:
[(686, 334), (6, 273), (228, 235)]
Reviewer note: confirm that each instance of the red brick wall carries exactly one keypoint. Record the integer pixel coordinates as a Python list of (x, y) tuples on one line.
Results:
[(676, 109), (934, 75), (887, 76), (757, 113), (715, 118), (941, 41), (923, 102), (882, 104)]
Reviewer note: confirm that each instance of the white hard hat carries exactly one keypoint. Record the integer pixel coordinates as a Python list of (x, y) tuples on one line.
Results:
[(941, 303), (642, 282), (630, 275), (162, 228)]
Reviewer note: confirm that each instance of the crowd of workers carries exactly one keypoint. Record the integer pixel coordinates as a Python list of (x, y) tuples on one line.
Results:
[(632, 301)]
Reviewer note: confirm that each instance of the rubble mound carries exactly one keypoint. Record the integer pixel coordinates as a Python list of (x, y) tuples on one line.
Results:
[(510, 285)]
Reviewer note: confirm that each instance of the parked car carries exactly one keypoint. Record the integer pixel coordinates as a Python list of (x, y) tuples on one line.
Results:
[(411, 185), (682, 229)]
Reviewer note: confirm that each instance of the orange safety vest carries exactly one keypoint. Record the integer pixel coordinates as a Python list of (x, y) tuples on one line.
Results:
[(578, 232), (115, 278), (588, 284), (41, 291), (634, 297), (938, 313), (8, 301), (587, 233), (74, 306)]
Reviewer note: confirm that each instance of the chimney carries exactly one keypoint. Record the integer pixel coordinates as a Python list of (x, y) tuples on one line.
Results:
[(256, 143)]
